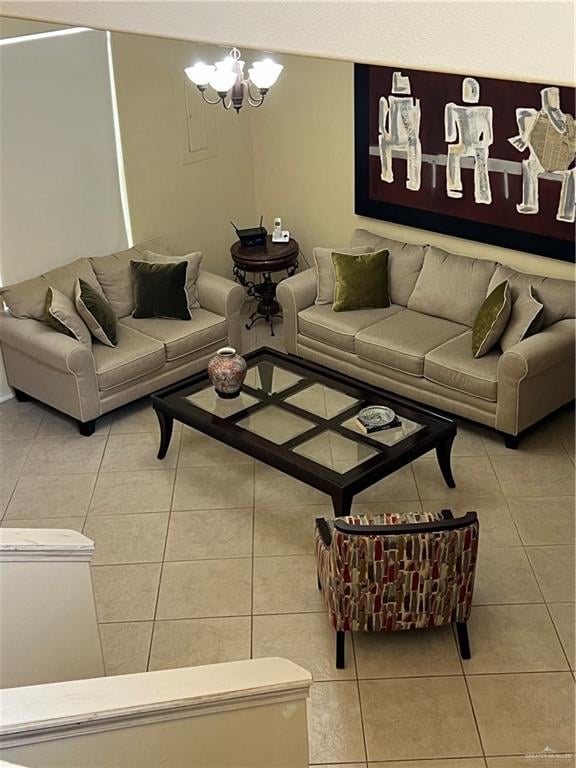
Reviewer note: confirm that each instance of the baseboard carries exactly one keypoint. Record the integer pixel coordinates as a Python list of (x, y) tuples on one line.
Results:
[(9, 396)]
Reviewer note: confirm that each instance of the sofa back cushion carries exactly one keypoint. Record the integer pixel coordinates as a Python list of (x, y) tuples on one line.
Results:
[(325, 273), (65, 278), (557, 296), (28, 298), (450, 286), (404, 262), (115, 278), (194, 261)]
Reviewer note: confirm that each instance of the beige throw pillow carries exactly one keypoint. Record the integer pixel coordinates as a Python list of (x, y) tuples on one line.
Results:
[(525, 320), (61, 315), (115, 277), (194, 260), (325, 274), (491, 320), (558, 296)]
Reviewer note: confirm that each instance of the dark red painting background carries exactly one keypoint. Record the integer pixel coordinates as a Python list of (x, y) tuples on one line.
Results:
[(435, 90)]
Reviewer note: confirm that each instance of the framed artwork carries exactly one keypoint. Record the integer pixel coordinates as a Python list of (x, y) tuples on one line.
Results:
[(479, 158)]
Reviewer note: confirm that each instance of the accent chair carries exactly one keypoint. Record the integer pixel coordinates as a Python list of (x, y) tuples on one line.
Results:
[(391, 572)]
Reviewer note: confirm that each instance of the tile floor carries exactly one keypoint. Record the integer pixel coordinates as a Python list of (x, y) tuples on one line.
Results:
[(207, 557)]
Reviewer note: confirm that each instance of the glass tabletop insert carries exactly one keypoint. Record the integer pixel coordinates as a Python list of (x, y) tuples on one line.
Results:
[(321, 400), (275, 424), (269, 378), (334, 451), (208, 400)]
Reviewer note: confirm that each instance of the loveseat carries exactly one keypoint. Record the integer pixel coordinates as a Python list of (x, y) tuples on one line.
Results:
[(421, 345), (151, 353)]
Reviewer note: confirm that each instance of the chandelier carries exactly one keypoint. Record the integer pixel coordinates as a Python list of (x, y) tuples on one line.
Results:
[(226, 77)]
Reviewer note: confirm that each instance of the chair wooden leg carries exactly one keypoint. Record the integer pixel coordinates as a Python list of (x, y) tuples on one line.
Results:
[(463, 642), (340, 654)]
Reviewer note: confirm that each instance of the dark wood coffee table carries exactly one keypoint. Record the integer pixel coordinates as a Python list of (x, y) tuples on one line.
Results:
[(299, 417)]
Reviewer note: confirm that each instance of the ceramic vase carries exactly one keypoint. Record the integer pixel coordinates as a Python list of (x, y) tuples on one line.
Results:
[(227, 371)]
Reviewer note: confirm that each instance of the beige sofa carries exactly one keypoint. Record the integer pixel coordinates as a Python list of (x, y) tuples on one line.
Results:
[(151, 353), (420, 346)]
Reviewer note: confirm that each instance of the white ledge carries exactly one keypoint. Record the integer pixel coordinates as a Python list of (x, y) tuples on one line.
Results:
[(41, 544), (58, 710)]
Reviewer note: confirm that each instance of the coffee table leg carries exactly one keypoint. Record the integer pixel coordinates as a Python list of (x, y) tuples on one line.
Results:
[(443, 452), (342, 504), (166, 423)]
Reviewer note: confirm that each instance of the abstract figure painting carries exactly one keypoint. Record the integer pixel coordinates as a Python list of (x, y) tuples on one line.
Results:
[(479, 158), (473, 126), (550, 137), (400, 130)]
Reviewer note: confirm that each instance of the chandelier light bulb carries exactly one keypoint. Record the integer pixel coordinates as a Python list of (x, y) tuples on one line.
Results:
[(222, 79), (227, 78), (200, 74), (264, 73)]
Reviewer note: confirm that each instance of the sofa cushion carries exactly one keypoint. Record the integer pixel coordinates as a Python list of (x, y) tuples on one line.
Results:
[(325, 274), (61, 315), (525, 320), (114, 276), (361, 281), (452, 365), (403, 340), (134, 356), (557, 296), (64, 278), (404, 262), (491, 320), (160, 290), (28, 298), (339, 329), (181, 337), (194, 260), (96, 313), (452, 287)]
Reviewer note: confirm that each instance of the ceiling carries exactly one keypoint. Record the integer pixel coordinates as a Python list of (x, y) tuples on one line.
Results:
[(520, 40)]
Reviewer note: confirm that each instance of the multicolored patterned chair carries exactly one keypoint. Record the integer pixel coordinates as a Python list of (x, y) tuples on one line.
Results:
[(390, 572)]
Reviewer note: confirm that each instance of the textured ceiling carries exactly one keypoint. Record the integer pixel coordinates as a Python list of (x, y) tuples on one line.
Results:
[(520, 40)]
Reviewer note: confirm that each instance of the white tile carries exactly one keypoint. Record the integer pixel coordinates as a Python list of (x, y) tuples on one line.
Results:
[(191, 642)]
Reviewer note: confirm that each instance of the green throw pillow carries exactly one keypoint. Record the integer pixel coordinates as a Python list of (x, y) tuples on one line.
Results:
[(361, 281), (160, 290), (97, 313), (491, 320)]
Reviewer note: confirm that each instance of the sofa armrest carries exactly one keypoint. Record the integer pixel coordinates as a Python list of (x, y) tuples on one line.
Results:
[(535, 377), (539, 352), (46, 345), (223, 297), (295, 294), (50, 366)]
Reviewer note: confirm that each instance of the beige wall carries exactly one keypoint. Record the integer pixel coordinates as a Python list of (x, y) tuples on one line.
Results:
[(304, 167), (21, 27), (189, 203)]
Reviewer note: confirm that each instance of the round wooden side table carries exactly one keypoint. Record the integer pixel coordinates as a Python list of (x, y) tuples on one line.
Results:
[(263, 261)]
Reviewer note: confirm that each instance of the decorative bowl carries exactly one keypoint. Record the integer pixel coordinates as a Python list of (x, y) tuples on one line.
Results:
[(376, 417)]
